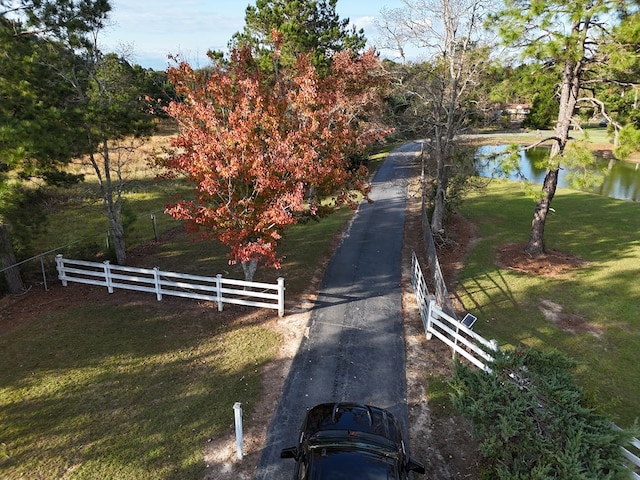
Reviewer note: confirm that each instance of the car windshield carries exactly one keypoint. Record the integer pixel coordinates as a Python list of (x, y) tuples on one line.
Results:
[(347, 438), (325, 464)]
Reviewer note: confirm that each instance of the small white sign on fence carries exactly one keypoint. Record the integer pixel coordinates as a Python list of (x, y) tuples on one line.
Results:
[(153, 280)]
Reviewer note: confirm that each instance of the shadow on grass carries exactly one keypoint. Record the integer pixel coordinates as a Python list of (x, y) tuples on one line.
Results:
[(127, 392)]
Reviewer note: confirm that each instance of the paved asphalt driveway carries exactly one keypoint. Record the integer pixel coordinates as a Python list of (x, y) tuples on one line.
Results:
[(355, 347)]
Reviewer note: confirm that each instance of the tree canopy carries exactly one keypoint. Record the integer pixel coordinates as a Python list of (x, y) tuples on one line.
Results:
[(307, 26), (39, 118), (442, 93), (261, 153)]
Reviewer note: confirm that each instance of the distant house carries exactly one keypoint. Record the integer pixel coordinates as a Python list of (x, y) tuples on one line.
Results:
[(517, 112)]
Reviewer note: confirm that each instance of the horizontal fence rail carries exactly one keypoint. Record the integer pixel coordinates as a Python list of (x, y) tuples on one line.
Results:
[(153, 280), (443, 326), (632, 454), (459, 337)]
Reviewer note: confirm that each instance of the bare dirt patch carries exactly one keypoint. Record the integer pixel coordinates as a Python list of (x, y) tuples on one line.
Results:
[(551, 264), (569, 322), (440, 438)]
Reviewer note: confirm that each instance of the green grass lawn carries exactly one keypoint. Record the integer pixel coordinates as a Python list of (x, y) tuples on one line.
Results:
[(123, 392), (605, 292)]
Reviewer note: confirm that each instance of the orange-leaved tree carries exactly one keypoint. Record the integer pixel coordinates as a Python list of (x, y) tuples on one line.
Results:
[(264, 151)]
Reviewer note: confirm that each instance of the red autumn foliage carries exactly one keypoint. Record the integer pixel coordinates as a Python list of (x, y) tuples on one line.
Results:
[(261, 152)]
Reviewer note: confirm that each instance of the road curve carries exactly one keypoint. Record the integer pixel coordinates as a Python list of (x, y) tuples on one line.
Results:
[(354, 350)]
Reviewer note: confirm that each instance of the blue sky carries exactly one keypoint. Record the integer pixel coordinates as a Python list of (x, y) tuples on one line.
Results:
[(151, 29)]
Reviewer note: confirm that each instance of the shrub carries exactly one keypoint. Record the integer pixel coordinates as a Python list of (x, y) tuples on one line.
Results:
[(531, 421)]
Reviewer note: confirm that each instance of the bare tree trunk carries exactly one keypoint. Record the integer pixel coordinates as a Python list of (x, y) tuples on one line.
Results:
[(111, 192), (568, 99), (536, 238), (7, 259), (117, 230)]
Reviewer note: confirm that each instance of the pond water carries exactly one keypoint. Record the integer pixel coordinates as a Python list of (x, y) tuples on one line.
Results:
[(622, 180)]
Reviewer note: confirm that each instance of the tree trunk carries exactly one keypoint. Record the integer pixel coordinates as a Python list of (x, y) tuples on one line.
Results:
[(568, 99), (110, 191), (536, 239), (119, 244), (437, 218), (7, 259), (249, 268), (440, 197)]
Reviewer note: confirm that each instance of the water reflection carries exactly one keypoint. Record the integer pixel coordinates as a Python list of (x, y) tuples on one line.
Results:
[(622, 180)]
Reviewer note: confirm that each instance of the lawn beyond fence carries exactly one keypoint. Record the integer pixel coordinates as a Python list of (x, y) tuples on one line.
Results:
[(154, 280)]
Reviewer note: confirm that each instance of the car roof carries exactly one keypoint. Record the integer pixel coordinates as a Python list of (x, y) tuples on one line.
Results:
[(352, 417)]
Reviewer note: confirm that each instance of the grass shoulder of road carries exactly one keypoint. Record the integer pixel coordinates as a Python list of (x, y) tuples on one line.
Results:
[(134, 389), (602, 296)]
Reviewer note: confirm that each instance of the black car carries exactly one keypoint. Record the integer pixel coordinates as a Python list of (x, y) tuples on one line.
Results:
[(348, 441)]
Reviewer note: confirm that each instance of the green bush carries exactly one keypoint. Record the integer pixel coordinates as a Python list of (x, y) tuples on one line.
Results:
[(532, 422)]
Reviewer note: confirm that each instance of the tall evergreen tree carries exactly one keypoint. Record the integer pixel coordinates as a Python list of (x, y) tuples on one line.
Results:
[(308, 26), (62, 97), (567, 35), (38, 120)]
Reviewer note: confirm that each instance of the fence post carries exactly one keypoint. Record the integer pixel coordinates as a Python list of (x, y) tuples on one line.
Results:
[(237, 410), (60, 267), (155, 226), (44, 274), (156, 281), (219, 290), (107, 275), (432, 303), (281, 296)]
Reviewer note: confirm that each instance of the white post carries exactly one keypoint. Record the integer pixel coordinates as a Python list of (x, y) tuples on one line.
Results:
[(237, 410), (281, 296), (432, 303), (60, 267), (455, 341), (107, 275), (219, 290), (156, 281)]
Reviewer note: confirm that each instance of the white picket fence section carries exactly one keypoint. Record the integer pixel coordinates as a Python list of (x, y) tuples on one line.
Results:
[(462, 340), (476, 348), (632, 454), (153, 280), (633, 458)]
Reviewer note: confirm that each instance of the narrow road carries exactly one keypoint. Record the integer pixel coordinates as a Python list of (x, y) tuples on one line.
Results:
[(355, 349)]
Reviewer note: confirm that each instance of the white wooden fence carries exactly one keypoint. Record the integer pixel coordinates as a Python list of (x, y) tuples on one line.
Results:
[(462, 340), (153, 280), (474, 347), (632, 454)]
